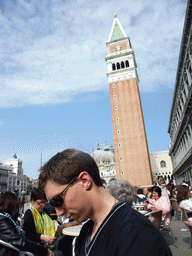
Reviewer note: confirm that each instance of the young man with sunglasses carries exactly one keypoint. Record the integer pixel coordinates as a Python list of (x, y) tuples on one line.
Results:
[(73, 186)]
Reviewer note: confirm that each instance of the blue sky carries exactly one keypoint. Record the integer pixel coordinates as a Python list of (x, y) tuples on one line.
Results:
[(55, 92)]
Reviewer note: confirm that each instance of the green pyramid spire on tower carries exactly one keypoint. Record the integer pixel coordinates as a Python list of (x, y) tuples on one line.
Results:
[(117, 31)]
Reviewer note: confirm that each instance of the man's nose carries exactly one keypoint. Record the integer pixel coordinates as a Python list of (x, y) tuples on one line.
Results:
[(60, 211)]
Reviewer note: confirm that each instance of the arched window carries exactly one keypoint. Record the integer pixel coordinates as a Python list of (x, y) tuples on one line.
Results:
[(122, 64), (127, 63), (162, 164), (113, 66), (118, 65)]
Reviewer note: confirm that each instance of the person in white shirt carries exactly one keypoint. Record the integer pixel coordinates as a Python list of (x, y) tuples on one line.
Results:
[(162, 185), (184, 200)]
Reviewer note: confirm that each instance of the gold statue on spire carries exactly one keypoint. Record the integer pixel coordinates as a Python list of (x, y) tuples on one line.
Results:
[(115, 14)]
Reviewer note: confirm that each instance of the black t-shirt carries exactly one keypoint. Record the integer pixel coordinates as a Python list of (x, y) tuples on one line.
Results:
[(123, 232)]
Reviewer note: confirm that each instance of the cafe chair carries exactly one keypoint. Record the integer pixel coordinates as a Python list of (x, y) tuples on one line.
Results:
[(169, 231), (189, 225), (184, 214), (155, 217), (21, 253), (177, 209), (147, 214)]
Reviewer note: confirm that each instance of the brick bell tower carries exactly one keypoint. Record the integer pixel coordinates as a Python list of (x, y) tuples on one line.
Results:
[(130, 141)]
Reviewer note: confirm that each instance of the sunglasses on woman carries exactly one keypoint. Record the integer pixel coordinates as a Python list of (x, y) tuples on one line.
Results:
[(57, 201)]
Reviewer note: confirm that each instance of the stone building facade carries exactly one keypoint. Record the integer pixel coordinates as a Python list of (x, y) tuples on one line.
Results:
[(180, 123), (4, 175), (15, 164), (105, 160), (12, 177), (161, 166), (130, 142)]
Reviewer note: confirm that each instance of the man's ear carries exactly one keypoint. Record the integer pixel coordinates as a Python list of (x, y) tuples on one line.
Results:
[(86, 180)]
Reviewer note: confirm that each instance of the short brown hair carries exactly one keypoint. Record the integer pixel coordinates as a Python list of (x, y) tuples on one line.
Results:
[(9, 203), (139, 191), (182, 193), (38, 194), (64, 166)]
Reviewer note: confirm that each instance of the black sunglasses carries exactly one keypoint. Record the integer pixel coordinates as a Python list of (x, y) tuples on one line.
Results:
[(57, 201)]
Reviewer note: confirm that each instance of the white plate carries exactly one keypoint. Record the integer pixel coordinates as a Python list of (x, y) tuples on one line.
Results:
[(143, 212)]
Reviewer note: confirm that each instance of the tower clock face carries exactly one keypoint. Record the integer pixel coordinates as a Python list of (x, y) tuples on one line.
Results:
[(118, 48)]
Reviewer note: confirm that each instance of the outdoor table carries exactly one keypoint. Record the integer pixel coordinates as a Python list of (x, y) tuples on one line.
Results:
[(72, 231), (143, 211), (139, 206)]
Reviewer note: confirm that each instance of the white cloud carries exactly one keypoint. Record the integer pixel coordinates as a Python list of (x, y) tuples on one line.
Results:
[(2, 123), (50, 52)]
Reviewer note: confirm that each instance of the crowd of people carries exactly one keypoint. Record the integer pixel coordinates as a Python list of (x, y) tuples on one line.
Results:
[(11, 232), (71, 183)]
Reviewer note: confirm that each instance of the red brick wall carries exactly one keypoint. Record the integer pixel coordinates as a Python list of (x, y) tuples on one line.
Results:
[(132, 137), (124, 45)]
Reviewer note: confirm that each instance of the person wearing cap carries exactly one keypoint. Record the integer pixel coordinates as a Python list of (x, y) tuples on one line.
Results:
[(73, 186)]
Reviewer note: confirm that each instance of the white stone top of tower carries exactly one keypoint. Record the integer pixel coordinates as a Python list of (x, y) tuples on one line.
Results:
[(117, 31)]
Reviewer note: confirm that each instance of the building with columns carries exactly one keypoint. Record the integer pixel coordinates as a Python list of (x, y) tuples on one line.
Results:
[(161, 166), (105, 160), (130, 141), (4, 177), (12, 177), (180, 122), (16, 165)]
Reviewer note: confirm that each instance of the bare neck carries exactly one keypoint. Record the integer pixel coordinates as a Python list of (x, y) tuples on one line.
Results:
[(102, 202)]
